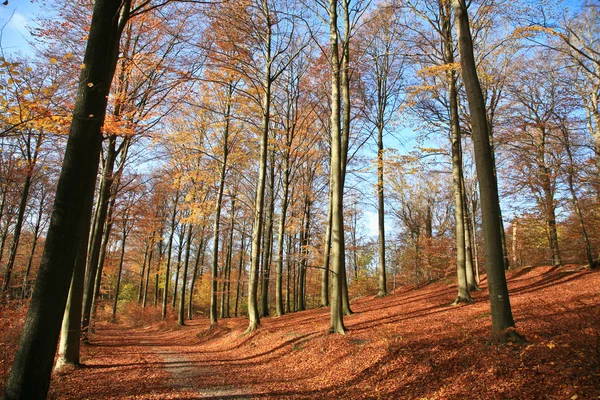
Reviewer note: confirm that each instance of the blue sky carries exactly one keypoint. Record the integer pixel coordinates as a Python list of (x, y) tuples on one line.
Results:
[(14, 19)]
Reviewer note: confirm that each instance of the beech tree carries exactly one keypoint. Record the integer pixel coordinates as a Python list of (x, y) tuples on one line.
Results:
[(502, 319)]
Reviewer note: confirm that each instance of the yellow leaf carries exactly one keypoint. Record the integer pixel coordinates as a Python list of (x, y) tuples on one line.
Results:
[(69, 55), (551, 345), (82, 66), (90, 84), (574, 397), (11, 81), (53, 60)]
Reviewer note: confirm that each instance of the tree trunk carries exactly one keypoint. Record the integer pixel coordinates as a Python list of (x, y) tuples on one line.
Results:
[(143, 272), (336, 182), (253, 313), (382, 287), (95, 245), (186, 262), (148, 267), (199, 262), (178, 269), (216, 226), (279, 310), (240, 270), (98, 280), (344, 144), (36, 237), (268, 253), (169, 248), (326, 255), (30, 373), (20, 217), (119, 272), (502, 319)]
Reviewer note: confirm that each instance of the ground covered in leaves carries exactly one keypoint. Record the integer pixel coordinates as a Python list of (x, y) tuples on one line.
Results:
[(411, 344)]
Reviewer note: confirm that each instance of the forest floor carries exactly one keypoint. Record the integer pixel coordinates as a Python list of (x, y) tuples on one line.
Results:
[(410, 345)]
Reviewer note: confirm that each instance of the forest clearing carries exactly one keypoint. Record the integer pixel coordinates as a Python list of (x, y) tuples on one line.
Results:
[(411, 344)]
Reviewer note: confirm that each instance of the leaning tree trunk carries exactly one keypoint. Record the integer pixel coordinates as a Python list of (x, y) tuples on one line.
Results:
[(502, 319), (30, 373)]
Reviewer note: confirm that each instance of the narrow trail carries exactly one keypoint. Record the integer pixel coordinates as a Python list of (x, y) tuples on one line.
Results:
[(411, 344)]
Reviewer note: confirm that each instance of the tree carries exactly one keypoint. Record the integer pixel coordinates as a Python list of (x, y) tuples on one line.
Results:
[(502, 319), (382, 79)]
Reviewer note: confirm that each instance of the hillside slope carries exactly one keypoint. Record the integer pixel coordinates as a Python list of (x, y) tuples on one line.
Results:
[(411, 344)]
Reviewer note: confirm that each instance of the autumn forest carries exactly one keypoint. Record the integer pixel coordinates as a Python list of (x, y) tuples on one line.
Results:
[(301, 199)]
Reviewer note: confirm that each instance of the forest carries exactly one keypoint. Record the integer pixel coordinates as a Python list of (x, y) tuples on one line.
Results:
[(360, 194)]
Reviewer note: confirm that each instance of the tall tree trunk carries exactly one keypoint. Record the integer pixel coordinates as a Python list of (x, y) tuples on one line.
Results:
[(472, 283), (382, 281), (336, 324), (268, 253), (259, 203), (30, 373), (279, 309), (148, 267), (98, 280), (199, 262), (119, 271), (574, 198), (178, 269), (21, 213), (463, 295), (345, 143), (159, 262), (169, 248), (502, 319), (216, 226), (36, 237), (288, 290), (326, 254), (186, 262), (240, 270), (143, 272), (95, 245)]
